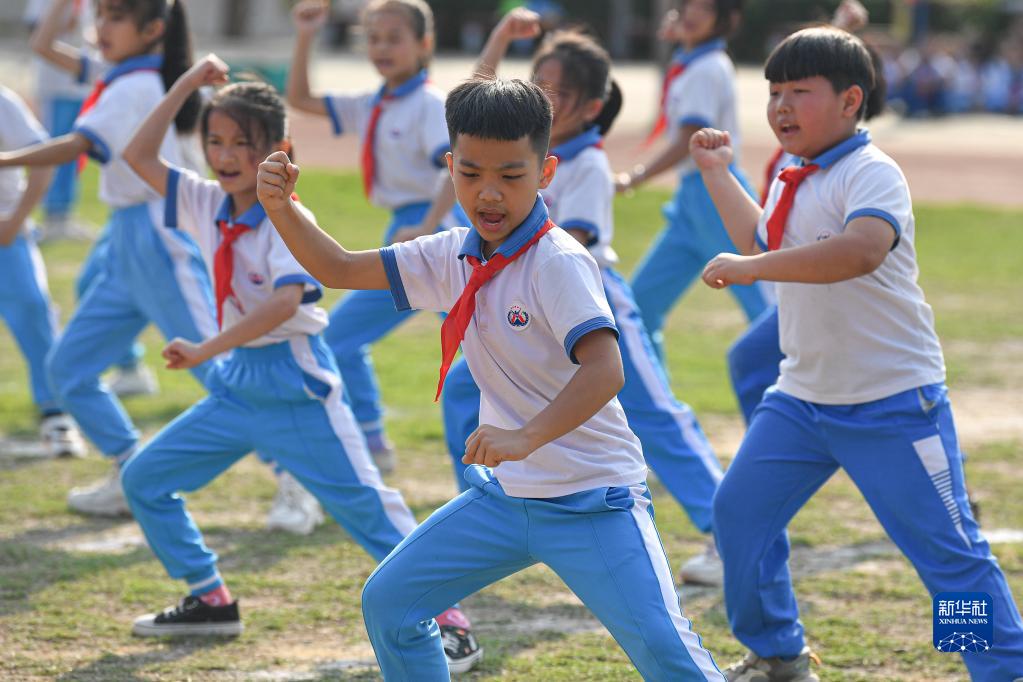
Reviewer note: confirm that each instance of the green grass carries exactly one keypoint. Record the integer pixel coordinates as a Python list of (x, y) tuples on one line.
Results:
[(66, 601)]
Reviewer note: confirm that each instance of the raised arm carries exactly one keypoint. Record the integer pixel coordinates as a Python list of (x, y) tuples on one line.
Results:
[(319, 254), (518, 24), (45, 43), (143, 151), (35, 189), (712, 152), (599, 378), (309, 17)]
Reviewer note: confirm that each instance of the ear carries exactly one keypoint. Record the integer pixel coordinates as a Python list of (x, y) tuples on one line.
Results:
[(852, 100), (282, 146), (592, 109), (550, 164), (426, 45), (153, 31), (449, 158)]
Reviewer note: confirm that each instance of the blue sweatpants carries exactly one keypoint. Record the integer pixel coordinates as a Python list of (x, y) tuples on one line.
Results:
[(284, 399), (694, 235), (26, 307), (673, 442), (602, 542), (903, 455), (753, 361), (359, 320), (147, 274), (60, 198)]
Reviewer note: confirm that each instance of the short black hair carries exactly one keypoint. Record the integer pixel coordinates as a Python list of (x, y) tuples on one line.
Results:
[(831, 53), (497, 109)]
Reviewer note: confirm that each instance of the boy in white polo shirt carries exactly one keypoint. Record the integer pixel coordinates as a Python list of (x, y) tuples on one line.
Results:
[(526, 301), (862, 382)]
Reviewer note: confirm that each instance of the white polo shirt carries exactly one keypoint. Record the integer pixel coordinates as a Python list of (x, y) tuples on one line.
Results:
[(519, 346), (410, 142), (703, 96), (869, 337), (18, 128), (262, 261), (580, 195), (134, 89)]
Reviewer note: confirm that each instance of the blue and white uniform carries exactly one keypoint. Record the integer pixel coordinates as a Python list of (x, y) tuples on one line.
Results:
[(580, 198), (279, 394), (703, 95), (410, 143), (145, 273), (578, 504), (861, 388), (25, 303)]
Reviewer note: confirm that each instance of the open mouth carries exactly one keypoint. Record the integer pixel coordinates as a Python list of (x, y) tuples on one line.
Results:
[(788, 129), (491, 221), (227, 175)]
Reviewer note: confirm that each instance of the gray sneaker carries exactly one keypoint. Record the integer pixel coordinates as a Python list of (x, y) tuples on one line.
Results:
[(753, 668)]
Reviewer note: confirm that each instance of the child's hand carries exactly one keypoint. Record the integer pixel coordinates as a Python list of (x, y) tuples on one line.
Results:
[(519, 24), (309, 16), (728, 268), (851, 16), (711, 149), (275, 181), (210, 70), (183, 354), (489, 446), (669, 30)]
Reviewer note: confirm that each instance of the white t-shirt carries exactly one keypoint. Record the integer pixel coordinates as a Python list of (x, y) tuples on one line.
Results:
[(519, 346), (133, 92), (704, 95), (410, 141), (18, 128), (581, 193), (262, 261), (869, 337)]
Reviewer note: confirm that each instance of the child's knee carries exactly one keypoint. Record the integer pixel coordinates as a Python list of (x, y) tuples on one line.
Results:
[(59, 370), (380, 608), (727, 509), (137, 481)]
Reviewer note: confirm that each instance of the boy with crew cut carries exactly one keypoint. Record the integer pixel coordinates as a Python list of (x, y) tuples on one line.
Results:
[(557, 475), (862, 383)]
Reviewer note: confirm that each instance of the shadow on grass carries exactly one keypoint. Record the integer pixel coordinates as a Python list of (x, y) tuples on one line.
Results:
[(127, 668)]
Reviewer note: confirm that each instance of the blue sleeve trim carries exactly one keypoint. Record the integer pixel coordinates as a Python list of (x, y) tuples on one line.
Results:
[(335, 120), (310, 295), (698, 121), (584, 226), (83, 71), (883, 215), (390, 259), (99, 151), (170, 201), (760, 242), (584, 328), (438, 155)]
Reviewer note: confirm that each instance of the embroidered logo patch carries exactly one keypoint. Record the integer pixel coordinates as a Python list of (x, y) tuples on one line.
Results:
[(518, 318), (256, 278)]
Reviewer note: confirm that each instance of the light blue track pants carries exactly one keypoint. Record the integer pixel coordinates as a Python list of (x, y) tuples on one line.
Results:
[(603, 543), (284, 400), (148, 274), (60, 198), (693, 236), (903, 455), (753, 361), (26, 307), (362, 318), (674, 445)]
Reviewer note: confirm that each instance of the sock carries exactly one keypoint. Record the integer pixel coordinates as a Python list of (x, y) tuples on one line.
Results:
[(218, 596), (455, 618)]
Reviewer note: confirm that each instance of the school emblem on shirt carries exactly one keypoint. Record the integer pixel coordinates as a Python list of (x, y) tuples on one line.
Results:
[(256, 278), (518, 318), (823, 234)]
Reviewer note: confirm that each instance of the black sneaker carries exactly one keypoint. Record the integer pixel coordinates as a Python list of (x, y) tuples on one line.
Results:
[(192, 617), (460, 646)]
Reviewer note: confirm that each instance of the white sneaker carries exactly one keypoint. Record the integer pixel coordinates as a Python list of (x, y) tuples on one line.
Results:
[(137, 380), (56, 228), (704, 569), (103, 498), (294, 509), (61, 437)]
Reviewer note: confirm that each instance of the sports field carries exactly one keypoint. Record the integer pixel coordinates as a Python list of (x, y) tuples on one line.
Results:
[(70, 586)]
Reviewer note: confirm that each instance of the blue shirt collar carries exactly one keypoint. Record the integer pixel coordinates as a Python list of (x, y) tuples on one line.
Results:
[(146, 61), (568, 150), (472, 245), (849, 144), (405, 88), (686, 57), (252, 218)]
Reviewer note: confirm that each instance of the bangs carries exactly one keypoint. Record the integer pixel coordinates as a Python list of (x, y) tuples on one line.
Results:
[(827, 52)]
